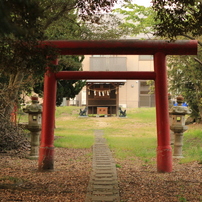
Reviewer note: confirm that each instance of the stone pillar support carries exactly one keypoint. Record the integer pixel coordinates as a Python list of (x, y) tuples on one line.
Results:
[(34, 125), (178, 125)]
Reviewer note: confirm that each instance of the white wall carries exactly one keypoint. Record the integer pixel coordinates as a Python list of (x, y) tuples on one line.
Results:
[(128, 93)]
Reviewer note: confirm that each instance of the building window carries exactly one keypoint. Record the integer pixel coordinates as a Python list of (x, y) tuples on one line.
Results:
[(145, 98), (144, 88), (104, 56), (145, 57), (108, 64)]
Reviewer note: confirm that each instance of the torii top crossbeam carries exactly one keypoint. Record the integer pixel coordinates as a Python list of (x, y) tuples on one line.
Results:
[(124, 47)]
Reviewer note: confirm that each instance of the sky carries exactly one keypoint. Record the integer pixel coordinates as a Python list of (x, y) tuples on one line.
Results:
[(145, 3)]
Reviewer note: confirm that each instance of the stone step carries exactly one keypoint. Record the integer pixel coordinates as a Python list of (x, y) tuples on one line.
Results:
[(109, 179), (103, 198), (103, 185)]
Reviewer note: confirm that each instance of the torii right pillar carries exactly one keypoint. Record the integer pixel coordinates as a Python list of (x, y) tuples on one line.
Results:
[(164, 150)]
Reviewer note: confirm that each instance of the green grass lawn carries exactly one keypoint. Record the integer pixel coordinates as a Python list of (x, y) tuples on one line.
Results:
[(133, 136)]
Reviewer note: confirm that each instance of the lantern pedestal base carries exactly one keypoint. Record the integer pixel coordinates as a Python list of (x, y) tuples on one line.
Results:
[(33, 157), (178, 157)]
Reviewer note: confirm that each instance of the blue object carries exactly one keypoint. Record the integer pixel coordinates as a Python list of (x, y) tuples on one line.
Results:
[(184, 104)]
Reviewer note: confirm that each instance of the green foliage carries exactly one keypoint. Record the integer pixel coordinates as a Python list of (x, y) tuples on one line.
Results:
[(175, 18), (181, 19), (172, 19), (184, 79), (138, 19), (23, 62), (20, 18), (25, 23), (91, 9), (70, 88)]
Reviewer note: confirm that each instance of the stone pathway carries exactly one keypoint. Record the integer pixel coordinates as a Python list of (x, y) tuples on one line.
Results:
[(103, 185)]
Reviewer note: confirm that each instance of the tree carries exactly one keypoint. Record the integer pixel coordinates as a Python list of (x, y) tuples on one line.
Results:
[(185, 79), (137, 19), (173, 19), (178, 18), (181, 19), (23, 25), (77, 29), (68, 89)]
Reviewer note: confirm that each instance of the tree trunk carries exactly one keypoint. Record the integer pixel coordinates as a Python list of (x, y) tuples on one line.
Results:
[(200, 113), (9, 95)]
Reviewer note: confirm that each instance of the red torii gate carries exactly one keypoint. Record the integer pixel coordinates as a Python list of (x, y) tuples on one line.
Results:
[(159, 49)]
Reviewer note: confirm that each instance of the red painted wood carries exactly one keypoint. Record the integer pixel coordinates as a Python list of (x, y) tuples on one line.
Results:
[(46, 150), (164, 150), (124, 47), (130, 75)]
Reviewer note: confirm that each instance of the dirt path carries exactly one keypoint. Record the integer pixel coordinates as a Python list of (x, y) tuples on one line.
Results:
[(138, 181)]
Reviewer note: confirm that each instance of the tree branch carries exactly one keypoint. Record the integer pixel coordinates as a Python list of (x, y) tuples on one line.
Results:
[(192, 38), (58, 15), (199, 61)]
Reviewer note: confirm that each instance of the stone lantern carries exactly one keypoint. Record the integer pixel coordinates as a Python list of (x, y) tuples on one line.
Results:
[(34, 125), (177, 125)]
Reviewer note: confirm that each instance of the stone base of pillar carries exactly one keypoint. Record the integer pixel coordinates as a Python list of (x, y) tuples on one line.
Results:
[(33, 157)]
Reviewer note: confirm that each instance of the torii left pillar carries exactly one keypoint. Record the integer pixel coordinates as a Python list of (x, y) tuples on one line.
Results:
[(164, 150), (46, 150)]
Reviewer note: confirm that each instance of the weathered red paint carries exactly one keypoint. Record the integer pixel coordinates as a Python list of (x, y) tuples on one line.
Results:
[(14, 115), (46, 150), (130, 75), (121, 47), (164, 150), (124, 47)]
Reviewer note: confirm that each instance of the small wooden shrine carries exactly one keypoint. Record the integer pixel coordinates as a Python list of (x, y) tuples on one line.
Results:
[(102, 98)]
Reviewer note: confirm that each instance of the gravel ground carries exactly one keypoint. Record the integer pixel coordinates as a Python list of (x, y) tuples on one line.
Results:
[(20, 180), (138, 181), (141, 182)]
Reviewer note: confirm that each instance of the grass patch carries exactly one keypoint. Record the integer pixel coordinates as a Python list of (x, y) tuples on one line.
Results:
[(10, 179), (134, 136), (128, 147), (192, 148), (67, 111), (143, 115), (75, 141)]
